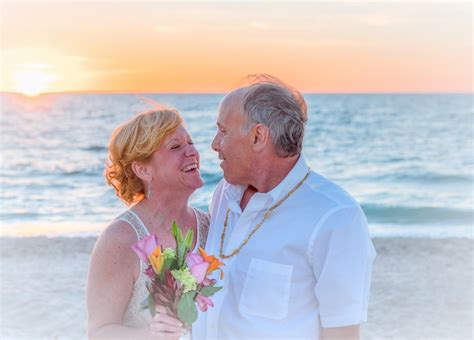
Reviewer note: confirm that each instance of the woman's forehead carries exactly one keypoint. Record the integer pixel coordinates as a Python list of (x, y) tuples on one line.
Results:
[(180, 133)]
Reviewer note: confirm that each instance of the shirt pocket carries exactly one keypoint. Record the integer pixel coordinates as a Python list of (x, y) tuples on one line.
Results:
[(266, 289)]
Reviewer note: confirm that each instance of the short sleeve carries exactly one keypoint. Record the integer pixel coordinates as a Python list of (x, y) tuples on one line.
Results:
[(342, 254)]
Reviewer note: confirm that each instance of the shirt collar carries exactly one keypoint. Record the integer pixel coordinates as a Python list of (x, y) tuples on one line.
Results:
[(295, 175), (234, 193)]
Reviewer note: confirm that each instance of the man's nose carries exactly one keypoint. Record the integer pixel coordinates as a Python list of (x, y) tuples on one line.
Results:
[(215, 143)]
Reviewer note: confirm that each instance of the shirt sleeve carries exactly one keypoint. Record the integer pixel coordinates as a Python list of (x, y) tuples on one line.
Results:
[(342, 255)]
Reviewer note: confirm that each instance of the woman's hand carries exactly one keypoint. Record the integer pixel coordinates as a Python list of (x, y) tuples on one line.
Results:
[(165, 326)]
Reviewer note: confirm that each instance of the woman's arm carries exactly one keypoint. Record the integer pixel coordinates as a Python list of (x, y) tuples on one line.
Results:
[(110, 283)]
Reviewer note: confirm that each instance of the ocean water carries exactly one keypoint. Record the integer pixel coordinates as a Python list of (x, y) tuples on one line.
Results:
[(408, 159)]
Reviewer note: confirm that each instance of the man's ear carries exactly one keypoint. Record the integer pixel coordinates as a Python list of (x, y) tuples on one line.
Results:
[(141, 171), (261, 137)]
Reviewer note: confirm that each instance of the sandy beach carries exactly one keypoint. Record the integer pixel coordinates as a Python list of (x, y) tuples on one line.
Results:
[(421, 288)]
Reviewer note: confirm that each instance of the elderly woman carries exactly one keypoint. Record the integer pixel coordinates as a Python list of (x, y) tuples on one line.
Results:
[(153, 167)]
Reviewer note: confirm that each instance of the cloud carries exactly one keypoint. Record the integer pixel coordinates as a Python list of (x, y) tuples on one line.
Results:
[(260, 25), (377, 20), (165, 29)]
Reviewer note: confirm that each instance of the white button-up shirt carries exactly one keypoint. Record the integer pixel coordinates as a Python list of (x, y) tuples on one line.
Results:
[(308, 266)]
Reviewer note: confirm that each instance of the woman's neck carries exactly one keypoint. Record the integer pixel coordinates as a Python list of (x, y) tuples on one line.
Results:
[(161, 209)]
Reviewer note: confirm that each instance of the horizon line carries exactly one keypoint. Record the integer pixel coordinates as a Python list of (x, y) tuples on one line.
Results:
[(222, 93)]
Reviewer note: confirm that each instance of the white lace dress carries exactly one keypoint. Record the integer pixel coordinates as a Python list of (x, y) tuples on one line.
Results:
[(133, 316)]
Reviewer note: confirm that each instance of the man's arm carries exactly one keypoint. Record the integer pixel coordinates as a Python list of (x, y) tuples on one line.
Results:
[(343, 333), (345, 252)]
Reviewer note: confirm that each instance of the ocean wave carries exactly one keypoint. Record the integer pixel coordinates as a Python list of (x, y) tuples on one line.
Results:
[(427, 177), (406, 215), (5, 216), (82, 172), (95, 148), (211, 178)]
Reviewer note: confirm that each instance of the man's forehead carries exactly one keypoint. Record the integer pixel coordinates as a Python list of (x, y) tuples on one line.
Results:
[(235, 96), (231, 103)]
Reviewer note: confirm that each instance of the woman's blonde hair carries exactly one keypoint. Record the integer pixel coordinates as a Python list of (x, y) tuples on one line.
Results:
[(136, 140)]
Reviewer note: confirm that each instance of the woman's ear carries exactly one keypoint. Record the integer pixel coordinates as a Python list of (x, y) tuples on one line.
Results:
[(261, 137), (141, 171)]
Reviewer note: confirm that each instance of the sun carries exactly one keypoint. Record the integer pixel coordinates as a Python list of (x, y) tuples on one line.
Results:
[(32, 82)]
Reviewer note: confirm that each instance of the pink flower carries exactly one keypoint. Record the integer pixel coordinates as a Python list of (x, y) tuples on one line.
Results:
[(150, 272), (193, 259), (197, 266), (145, 247), (204, 302), (208, 282)]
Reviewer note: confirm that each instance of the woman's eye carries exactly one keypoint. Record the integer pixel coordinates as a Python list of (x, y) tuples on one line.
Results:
[(174, 147)]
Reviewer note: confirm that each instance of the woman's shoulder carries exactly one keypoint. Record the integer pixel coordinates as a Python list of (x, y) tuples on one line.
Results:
[(117, 236)]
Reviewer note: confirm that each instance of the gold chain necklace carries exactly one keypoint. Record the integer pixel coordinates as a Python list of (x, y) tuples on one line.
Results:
[(265, 216)]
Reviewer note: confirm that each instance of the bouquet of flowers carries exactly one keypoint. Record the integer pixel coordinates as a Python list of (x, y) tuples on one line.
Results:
[(179, 278)]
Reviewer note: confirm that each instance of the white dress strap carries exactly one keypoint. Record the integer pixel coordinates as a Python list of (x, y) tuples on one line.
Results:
[(140, 230), (133, 315), (202, 221), (136, 223)]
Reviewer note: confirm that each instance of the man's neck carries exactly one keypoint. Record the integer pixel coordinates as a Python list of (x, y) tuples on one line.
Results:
[(270, 174)]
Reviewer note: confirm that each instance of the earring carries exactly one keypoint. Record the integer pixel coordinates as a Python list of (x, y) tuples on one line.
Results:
[(149, 190)]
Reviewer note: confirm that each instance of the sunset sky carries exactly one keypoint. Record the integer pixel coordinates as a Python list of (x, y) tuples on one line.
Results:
[(210, 47)]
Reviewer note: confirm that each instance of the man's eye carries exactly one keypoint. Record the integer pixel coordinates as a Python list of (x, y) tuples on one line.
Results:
[(175, 147)]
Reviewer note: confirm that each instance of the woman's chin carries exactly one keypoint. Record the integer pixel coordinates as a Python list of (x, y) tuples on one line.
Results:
[(199, 183), (193, 181)]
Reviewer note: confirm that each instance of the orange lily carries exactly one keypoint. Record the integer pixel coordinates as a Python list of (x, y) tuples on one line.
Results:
[(213, 261), (156, 260)]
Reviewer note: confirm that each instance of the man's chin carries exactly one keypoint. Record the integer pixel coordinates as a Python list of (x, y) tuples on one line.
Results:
[(231, 180)]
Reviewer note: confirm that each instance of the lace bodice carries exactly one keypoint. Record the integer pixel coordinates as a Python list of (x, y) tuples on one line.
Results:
[(134, 316)]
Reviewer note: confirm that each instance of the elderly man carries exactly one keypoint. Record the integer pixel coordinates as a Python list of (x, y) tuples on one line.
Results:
[(296, 248)]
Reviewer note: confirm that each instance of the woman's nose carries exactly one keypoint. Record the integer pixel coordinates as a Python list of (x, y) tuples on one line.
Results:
[(191, 150)]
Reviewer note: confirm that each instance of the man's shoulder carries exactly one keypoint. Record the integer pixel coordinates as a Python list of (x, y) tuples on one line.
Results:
[(320, 188)]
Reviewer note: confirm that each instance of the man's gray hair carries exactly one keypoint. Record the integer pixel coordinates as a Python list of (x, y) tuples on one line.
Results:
[(278, 106)]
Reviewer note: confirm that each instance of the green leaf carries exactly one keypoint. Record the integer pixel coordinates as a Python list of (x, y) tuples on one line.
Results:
[(151, 305), (174, 230), (187, 311), (189, 239), (181, 253), (167, 263), (178, 235), (209, 291)]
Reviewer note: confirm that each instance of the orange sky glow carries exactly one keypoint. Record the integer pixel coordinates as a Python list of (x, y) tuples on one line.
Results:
[(211, 47)]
